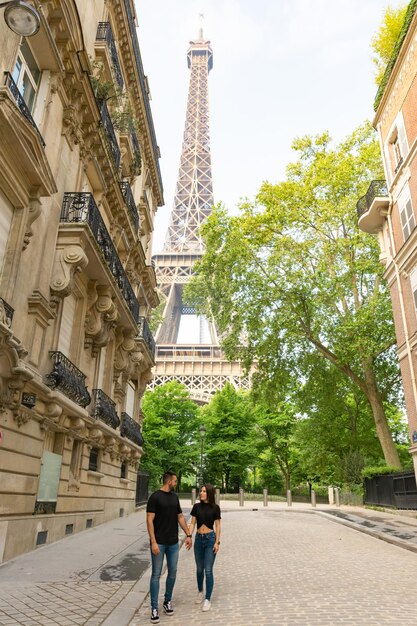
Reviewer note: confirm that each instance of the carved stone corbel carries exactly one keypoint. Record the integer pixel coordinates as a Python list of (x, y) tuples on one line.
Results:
[(13, 371), (125, 344), (35, 209), (101, 317), (67, 261)]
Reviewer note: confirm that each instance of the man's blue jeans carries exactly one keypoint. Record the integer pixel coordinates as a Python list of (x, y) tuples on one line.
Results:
[(204, 559), (171, 553)]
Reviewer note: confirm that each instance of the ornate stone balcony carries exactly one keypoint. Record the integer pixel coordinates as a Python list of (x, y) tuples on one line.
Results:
[(66, 377), (104, 409), (130, 203), (81, 209), (109, 131), (372, 208), (131, 430), (145, 334), (105, 33), (9, 82), (139, 67)]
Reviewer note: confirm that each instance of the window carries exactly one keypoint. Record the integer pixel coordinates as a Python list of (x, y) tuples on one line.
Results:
[(6, 216), (405, 207), (27, 75), (123, 470), (94, 460), (396, 148), (130, 398), (75, 459)]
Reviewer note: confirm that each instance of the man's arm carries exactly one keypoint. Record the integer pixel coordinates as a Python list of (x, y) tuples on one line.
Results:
[(151, 531), (181, 521)]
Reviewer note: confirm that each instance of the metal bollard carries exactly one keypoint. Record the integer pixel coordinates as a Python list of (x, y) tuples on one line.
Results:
[(331, 495), (265, 491), (193, 496), (217, 496), (313, 498), (289, 498), (337, 495), (241, 497)]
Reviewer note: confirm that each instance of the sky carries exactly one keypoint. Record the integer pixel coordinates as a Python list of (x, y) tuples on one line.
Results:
[(282, 69)]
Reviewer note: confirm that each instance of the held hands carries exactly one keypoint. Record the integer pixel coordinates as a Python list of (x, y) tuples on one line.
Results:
[(188, 543)]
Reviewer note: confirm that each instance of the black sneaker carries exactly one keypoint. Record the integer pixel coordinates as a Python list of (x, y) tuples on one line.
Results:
[(154, 616), (168, 607)]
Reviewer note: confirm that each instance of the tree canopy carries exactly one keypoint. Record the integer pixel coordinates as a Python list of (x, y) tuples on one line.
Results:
[(291, 278)]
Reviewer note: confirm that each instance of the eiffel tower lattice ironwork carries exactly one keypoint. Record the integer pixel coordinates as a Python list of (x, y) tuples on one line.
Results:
[(202, 367)]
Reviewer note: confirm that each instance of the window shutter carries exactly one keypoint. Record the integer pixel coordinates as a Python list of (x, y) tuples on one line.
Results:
[(413, 283), (130, 399), (6, 216), (388, 166), (402, 136), (67, 322)]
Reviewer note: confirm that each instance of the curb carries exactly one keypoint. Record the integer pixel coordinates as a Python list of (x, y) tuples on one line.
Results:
[(368, 531)]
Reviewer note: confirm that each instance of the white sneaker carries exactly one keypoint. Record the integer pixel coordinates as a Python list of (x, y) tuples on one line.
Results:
[(199, 598), (206, 605)]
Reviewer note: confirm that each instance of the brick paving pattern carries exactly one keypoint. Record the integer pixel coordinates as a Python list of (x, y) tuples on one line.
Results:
[(59, 604), (296, 569)]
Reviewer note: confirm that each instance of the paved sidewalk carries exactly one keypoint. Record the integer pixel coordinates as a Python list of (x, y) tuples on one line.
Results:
[(101, 576)]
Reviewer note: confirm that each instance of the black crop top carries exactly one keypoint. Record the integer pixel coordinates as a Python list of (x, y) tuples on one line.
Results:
[(206, 514)]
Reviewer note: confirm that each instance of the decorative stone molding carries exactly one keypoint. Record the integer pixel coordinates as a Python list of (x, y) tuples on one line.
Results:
[(22, 416), (13, 371), (102, 316), (67, 262)]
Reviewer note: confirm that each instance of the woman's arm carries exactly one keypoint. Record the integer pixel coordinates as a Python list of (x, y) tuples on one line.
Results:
[(217, 526)]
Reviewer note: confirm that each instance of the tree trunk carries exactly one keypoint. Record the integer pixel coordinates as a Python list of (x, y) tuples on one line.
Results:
[(381, 423)]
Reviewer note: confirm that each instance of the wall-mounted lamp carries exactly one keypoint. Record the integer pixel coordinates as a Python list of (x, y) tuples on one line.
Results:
[(21, 17)]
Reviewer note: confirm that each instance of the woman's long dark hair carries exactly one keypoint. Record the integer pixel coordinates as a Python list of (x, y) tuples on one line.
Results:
[(210, 493)]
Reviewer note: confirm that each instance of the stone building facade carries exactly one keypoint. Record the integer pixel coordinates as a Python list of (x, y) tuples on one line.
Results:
[(389, 209), (79, 187)]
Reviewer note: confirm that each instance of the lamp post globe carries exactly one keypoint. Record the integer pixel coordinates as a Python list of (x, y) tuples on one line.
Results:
[(21, 18)]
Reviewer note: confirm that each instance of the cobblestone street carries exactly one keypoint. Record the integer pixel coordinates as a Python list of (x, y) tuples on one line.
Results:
[(294, 568)]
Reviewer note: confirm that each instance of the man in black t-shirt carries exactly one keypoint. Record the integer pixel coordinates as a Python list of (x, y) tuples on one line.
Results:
[(163, 514)]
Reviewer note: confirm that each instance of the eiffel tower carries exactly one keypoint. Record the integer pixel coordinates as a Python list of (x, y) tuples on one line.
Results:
[(198, 363)]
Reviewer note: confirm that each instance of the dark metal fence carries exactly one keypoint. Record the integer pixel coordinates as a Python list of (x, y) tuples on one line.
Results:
[(142, 487), (398, 491)]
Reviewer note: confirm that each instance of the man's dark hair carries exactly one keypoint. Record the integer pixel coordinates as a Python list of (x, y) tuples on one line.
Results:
[(167, 476)]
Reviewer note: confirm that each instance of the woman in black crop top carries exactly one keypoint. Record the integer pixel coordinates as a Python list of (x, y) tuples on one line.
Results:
[(206, 514)]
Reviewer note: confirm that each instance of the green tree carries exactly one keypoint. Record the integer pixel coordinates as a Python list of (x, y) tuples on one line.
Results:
[(292, 276), (384, 40), (229, 447), (170, 432), (276, 422)]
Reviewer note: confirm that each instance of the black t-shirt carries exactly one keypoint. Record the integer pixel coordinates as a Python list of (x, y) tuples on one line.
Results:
[(206, 514), (166, 506)]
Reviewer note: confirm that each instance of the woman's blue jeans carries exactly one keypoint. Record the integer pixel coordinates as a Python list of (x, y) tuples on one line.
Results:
[(204, 559), (171, 553)]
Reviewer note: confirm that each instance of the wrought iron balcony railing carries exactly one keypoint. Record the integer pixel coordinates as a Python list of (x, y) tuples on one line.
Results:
[(131, 430), (104, 409), (66, 377), (24, 109), (8, 311), (130, 203), (138, 59), (81, 208), (376, 189), (109, 130), (105, 33), (144, 332)]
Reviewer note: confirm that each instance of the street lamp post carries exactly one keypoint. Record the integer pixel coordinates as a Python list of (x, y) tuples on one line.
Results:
[(202, 434), (21, 17)]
